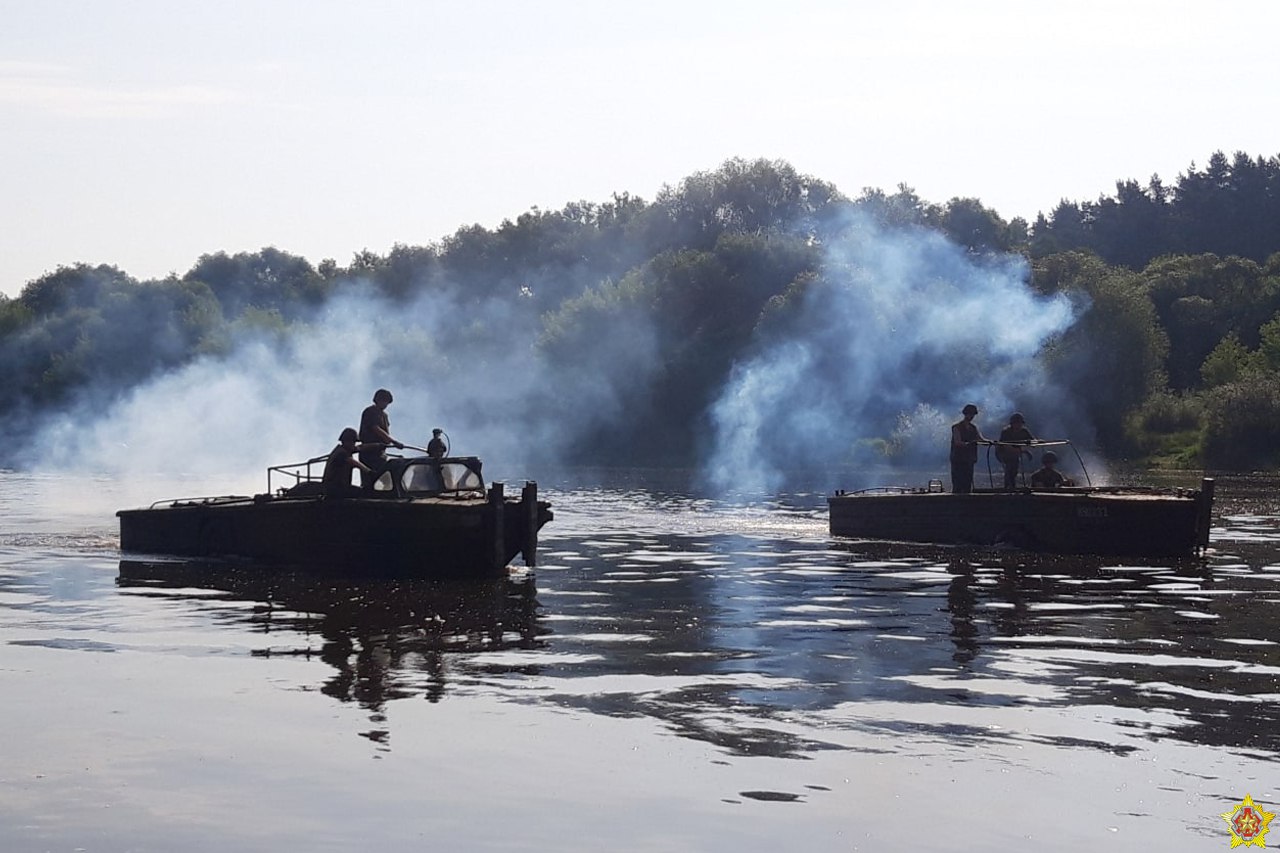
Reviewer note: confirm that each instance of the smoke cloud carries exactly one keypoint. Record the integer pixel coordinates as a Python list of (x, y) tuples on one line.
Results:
[(867, 361), (873, 357), (281, 396)]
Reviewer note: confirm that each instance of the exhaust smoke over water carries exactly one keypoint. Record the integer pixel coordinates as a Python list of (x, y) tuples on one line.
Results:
[(863, 362), (282, 397), (680, 671), (875, 358)]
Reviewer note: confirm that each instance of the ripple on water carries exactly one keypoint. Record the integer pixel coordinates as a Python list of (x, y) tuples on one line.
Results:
[(607, 638), (814, 623), (733, 632)]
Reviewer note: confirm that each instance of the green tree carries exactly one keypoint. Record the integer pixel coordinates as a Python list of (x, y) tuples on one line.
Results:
[(1242, 428), (903, 209), (1133, 226), (1168, 428), (743, 196), (70, 287), (1268, 355), (1228, 208), (268, 279), (1112, 359), (1065, 230), (1200, 298), (967, 222), (664, 339), (14, 315), (1230, 361)]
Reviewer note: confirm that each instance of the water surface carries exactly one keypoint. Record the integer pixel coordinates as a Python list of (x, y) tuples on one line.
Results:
[(678, 673)]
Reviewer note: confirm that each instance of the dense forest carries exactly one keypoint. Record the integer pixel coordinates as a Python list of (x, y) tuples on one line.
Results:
[(632, 324)]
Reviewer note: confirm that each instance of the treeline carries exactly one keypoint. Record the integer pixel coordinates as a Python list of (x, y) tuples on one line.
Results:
[(1186, 370), (1177, 355), (1231, 208)]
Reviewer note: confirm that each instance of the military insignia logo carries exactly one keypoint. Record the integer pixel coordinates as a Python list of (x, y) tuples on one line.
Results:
[(1248, 823)]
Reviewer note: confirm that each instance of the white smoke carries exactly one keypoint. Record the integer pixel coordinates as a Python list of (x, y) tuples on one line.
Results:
[(470, 369), (901, 329), (873, 357)]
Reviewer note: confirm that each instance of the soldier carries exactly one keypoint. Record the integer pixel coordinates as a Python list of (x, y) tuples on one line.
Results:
[(436, 448), (337, 468), (965, 436), (1049, 477), (375, 428), (1009, 454)]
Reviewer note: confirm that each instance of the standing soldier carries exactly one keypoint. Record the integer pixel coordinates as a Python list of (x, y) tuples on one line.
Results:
[(1009, 452), (375, 428), (965, 436)]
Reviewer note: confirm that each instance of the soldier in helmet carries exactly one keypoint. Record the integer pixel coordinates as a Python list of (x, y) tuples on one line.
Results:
[(436, 447), (965, 436), (1049, 477), (337, 468), (375, 435), (1009, 452)]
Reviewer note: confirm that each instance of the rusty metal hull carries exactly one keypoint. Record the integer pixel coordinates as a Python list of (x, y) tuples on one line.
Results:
[(1135, 523), (421, 537)]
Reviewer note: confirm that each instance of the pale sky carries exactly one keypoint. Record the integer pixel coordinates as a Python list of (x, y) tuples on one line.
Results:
[(144, 134)]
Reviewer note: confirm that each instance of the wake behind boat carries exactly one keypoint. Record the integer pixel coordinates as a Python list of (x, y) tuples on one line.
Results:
[(1122, 521), (424, 517)]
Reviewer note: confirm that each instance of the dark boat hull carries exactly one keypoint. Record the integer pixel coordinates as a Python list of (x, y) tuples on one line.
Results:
[(421, 537), (1132, 523)]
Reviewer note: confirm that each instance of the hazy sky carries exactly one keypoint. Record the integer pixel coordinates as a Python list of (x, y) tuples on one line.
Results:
[(143, 134)]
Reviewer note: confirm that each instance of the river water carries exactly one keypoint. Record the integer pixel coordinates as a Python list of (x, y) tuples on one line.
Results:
[(679, 673)]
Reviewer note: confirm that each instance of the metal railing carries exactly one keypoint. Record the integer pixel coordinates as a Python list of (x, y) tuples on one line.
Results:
[(296, 472), (1029, 445)]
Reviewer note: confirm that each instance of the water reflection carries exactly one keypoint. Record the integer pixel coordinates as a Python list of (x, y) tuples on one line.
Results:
[(775, 646), (384, 639), (670, 644), (780, 639)]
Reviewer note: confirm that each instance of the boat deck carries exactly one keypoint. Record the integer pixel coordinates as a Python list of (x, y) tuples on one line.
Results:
[(462, 533), (1076, 520)]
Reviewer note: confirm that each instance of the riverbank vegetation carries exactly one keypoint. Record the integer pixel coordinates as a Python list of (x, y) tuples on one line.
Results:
[(1174, 359)]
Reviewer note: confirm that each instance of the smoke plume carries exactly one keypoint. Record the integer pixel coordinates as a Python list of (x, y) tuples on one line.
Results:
[(867, 360), (284, 395), (872, 360)]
